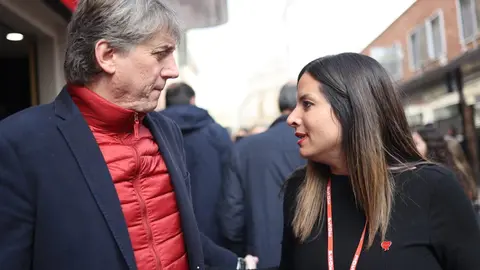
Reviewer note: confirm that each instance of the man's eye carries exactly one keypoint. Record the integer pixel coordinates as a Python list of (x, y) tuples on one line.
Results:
[(161, 55)]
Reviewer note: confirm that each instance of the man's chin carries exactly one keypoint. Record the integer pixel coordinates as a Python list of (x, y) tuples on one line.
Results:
[(154, 95), (146, 107), (150, 107)]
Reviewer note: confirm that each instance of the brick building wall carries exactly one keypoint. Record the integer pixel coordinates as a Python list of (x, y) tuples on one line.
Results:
[(400, 30)]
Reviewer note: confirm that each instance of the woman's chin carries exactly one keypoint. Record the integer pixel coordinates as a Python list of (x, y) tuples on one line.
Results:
[(305, 154)]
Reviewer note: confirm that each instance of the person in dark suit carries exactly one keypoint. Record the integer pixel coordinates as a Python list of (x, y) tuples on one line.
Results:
[(93, 180), (207, 148), (251, 207)]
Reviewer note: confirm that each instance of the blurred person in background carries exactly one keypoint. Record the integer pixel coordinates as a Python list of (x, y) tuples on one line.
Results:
[(229, 130), (251, 208), (453, 133), (240, 134), (207, 148), (433, 145), (257, 129), (367, 199), (465, 171), (94, 180)]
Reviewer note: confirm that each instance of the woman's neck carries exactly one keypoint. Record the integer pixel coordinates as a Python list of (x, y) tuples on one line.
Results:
[(338, 166), (336, 161), (339, 170)]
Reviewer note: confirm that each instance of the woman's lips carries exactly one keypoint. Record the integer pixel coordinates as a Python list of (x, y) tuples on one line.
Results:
[(300, 142), (302, 137)]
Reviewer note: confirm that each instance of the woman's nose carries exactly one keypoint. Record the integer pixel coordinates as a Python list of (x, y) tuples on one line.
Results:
[(293, 120)]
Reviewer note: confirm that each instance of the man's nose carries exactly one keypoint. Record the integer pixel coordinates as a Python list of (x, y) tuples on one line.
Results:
[(171, 69)]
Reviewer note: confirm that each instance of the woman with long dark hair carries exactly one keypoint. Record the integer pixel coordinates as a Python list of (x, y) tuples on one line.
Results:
[(367, 199)]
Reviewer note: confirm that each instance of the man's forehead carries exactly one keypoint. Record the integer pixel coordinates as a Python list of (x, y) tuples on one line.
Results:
[(163, 39)]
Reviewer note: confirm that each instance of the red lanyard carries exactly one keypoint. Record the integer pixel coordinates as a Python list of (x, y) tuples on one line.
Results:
[(330, 233)]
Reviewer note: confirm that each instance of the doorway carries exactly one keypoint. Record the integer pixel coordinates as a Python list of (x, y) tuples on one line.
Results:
[(18, 80)]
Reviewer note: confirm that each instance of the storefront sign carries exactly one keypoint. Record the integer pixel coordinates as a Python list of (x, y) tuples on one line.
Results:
[(70, 4)]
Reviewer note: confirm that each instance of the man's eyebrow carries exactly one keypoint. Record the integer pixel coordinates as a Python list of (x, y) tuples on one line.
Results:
[(165, 47)]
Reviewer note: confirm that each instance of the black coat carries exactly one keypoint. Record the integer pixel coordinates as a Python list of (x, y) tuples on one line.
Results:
[(207, 148), (58, 206), (251, 209)]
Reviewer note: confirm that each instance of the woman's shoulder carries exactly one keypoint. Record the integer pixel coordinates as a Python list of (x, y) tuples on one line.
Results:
[(429, 173), (295, 180), (427, 180), (292, 184), (290, 191)]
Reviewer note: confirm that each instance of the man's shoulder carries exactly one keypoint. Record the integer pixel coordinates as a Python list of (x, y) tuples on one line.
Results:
[(28, 122), (162, 120), (274, 138), (217, 130)]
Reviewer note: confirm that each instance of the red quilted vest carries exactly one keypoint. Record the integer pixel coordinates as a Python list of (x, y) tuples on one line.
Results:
[(141, 179)]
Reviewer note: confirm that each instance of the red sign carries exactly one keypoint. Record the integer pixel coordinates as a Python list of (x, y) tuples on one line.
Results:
[(70, 4)]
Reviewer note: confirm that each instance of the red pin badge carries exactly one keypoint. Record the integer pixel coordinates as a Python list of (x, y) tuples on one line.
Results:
[(386, 245)]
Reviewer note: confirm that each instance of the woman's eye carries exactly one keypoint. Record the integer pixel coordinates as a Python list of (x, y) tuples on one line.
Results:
[(306, 104)]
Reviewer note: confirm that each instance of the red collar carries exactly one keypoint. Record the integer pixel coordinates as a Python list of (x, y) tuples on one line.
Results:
[(100, 113)]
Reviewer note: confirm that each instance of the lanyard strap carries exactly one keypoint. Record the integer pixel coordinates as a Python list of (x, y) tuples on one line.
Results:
[(330, 233)]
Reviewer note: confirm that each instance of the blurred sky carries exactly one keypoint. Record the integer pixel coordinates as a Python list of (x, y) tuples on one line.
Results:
[(314, 28), (261, 44)]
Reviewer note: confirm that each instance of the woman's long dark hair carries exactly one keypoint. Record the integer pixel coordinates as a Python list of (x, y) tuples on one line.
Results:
[(375, 139)]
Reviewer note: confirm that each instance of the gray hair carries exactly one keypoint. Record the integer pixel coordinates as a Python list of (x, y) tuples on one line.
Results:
[(123, 23)]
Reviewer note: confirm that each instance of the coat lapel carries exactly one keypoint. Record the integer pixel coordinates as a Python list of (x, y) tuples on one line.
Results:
[(92, 164)]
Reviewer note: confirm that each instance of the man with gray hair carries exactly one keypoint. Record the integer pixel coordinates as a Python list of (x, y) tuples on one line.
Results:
[(251, 214), (93, 180)]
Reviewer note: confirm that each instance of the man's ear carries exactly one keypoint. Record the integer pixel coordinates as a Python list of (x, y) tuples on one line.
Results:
[(104, 54)]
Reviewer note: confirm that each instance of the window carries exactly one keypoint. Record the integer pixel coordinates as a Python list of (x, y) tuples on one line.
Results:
[(446, 112), (391, 58), (470, 19), (437, 38), (419, 47), (427, 42), (477, 13), (415, 120)]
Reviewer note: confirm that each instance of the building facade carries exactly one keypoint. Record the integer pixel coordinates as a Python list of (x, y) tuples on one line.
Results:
[(432, 51), (419, 49)]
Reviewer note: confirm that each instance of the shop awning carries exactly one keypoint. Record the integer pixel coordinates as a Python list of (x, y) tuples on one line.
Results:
[(468, 62)]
